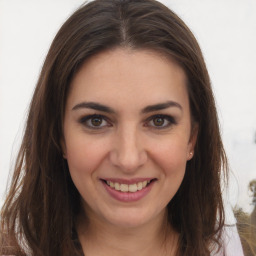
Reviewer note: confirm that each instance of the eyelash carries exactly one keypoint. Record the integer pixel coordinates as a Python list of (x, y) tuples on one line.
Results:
[(167, 119), (84, 120)]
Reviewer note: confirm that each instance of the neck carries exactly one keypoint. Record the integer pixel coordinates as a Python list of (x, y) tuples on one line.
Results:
[(101, 238)]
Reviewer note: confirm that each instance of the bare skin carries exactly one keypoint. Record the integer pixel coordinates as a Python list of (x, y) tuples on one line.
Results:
[(153, 239), (127, 123)]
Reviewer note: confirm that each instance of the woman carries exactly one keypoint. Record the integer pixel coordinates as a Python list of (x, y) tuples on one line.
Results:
[(122, 152)]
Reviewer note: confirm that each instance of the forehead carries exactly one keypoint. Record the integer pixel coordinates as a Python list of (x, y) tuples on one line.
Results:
[(123, 76)]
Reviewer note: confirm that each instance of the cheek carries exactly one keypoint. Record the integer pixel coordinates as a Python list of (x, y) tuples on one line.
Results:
[(83, 155), (172, 157), (172, 160)]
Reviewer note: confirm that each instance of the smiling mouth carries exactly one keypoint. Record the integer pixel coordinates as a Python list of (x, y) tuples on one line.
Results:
[(122, 187)]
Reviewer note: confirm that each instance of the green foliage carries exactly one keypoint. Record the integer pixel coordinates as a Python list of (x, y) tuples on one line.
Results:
[(246, 224)]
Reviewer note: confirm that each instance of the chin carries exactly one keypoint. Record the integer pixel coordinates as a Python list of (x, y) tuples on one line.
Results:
[(131, 219)]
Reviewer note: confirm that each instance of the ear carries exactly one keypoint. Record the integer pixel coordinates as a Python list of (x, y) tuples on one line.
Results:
[(192, 141), (63, 148)]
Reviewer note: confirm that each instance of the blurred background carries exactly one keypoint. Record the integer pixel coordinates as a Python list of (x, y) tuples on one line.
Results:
[(226, 32)]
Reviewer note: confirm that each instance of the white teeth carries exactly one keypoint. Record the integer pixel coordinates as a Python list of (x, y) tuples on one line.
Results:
[(128, 188), (133, 188), (139, 186), (124, 187), (117, 186), (144, 184)]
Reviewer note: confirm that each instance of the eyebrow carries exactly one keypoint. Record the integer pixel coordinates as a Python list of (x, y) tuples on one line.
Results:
[(147, 109), (95, 106), (161, 106)]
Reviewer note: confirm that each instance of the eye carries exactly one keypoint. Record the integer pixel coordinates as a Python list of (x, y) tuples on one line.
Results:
[(95, 121), (160, 121)]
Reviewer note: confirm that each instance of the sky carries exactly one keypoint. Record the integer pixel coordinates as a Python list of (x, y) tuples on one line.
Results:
[(225, 30)]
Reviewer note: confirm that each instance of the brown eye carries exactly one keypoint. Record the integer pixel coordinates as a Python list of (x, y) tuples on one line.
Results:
[(158, 121), (96, 121)]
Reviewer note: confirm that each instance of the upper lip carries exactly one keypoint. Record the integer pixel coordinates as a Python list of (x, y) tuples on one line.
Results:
[(127, 181)]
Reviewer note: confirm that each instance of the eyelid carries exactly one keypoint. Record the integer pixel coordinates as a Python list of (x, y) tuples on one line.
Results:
[(86, 118), (169, 118)]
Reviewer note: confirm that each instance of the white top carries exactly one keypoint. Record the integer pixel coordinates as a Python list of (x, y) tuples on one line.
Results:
[(231, 241)]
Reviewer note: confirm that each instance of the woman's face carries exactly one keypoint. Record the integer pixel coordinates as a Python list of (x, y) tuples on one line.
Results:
[(127, 135)]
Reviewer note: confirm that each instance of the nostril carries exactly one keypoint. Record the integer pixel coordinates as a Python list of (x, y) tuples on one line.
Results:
[(128, 160)]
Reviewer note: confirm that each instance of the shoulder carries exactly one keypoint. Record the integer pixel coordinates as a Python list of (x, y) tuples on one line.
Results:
[(232, 242)]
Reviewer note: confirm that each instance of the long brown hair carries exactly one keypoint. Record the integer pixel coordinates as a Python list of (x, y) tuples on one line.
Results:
[(41, 207)]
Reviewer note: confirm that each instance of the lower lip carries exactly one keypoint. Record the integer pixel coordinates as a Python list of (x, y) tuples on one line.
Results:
[(128, 196)]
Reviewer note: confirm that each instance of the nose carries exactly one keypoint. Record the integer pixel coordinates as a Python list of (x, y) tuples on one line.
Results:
[(128, 152)]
